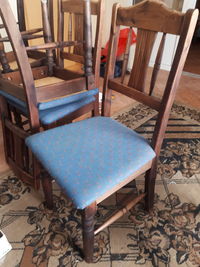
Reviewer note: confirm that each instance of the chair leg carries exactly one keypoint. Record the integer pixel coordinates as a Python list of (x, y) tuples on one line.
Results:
[(150, 179), (88, 231), (95, 111), (47, 188)]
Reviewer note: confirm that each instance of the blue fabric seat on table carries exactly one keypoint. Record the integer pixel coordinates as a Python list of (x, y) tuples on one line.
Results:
[(90, 157), (54, 110)]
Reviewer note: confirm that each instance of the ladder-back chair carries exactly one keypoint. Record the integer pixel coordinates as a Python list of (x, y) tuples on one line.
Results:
[(45, 101), (74, 30), (111, 155)]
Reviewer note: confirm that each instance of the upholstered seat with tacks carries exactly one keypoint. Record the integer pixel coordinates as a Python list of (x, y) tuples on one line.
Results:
[(90, 157), (94, 158)]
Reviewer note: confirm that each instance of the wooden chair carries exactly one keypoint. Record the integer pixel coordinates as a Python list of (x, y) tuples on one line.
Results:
[(74, 9), (111, 155), (36, 58), (46, 96)]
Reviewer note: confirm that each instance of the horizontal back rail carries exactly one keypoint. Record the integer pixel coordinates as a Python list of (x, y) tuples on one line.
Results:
[(150, 101), (52, 45)]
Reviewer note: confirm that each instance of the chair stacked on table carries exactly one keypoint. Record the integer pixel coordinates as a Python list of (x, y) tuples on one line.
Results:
[(39, 98)]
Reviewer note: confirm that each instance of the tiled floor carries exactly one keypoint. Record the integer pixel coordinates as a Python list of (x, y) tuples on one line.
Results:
[(188, 94)]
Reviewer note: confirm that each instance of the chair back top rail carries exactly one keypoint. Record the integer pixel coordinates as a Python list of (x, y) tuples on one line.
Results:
[(151, 15)]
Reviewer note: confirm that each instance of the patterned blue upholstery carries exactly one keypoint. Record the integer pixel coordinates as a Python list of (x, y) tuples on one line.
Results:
[(90, 157), (54, 110), (53, 114)]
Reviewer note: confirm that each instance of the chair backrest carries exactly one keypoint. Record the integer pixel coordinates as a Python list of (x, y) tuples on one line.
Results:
[(75, 30), (149, 17)]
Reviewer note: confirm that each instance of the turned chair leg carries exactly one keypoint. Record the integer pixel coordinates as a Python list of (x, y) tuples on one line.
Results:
[(150, 179), (88, 231), (47, 188)]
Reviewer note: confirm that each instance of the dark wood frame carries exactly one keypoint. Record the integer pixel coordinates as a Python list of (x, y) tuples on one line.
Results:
[(152, 21)]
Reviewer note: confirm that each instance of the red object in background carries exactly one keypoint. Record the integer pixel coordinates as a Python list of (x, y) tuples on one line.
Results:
[(123, 37)]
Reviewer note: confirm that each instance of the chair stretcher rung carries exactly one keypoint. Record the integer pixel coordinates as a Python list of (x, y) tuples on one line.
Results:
[(120, 212)]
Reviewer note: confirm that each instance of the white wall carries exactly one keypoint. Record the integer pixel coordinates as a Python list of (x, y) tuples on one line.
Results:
[(187, 4)]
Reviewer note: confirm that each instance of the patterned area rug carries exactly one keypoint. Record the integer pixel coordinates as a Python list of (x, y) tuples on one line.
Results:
[(168, 236)]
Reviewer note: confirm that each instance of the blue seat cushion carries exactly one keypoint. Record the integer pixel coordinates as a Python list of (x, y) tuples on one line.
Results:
[(90, 157), (51, 115), (54, 110)]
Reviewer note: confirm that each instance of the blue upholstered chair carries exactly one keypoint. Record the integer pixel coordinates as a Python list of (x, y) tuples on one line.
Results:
[(92, 159), (42, 97)]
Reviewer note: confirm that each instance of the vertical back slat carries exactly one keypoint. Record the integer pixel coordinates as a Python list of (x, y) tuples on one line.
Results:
[(126, 55), (157, 64), (21, 18), (70, 31), (60, 33), (98, 41), (78, 33), (21, 15), (110, 65), (51, 17), (144, 46), (88, 45), (47, 35)]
